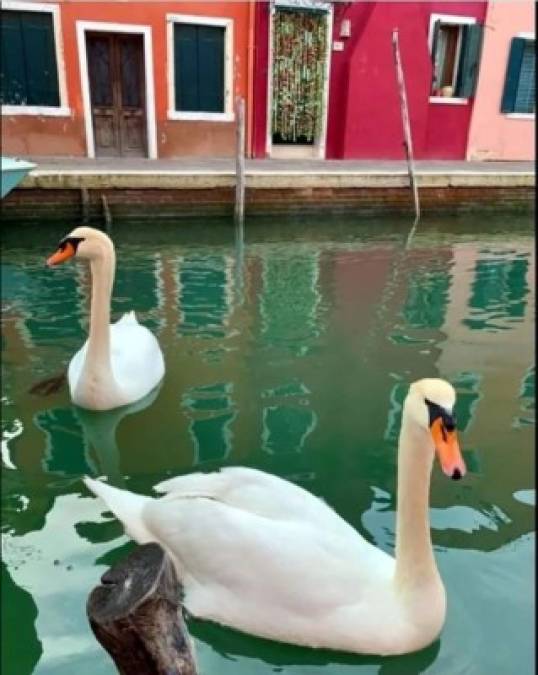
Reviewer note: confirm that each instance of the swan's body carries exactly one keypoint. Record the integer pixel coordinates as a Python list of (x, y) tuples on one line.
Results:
[(264, 556), (120, 363)]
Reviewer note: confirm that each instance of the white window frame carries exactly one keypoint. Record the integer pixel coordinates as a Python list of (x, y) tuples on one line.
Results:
[(452, 20), (227, 24), (531, 37), (48, 111), (104, 27)]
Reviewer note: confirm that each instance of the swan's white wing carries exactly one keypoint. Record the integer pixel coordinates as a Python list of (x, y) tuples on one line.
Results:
[(269, 577), (259, 493), (137, 360)]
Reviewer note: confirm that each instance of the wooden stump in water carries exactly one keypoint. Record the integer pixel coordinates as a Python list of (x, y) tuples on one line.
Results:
[(136, 615)]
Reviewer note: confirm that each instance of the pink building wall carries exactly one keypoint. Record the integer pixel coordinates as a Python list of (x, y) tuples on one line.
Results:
[(495, 135)]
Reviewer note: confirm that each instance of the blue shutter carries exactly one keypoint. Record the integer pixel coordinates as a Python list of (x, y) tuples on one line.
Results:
[(186, 66), (513, 69), (470, 60), (13, 74), (40, 59), (211, 68), (526, 90)]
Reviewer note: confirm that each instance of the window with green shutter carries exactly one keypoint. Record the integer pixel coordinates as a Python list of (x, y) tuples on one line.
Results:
[(455, 50), (29, 71), (199, 68), (519, 95)]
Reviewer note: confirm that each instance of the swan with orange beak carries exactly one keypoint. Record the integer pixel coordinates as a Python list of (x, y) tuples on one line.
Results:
[(264, 556), (121, 362)]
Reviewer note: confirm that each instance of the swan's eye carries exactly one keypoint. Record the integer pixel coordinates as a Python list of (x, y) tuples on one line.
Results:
[(436, 411), (74, 241)]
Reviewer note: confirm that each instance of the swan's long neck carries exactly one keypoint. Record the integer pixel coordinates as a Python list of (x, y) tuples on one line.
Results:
[(415, 562), (98, 354)]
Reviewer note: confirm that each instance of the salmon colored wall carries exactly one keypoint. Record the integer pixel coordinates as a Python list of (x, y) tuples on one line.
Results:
[(28, 135), (175, 138), (494, 135)]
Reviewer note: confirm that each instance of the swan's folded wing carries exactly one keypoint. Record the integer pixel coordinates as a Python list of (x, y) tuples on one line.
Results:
[(259, 493)]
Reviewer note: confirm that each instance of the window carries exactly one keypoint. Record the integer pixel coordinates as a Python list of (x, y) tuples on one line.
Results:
[(519, 86), (199, 52), (455, 44), (29, 75)]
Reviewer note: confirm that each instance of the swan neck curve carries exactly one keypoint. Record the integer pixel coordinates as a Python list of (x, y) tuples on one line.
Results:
[(415, 561), (98, 361)]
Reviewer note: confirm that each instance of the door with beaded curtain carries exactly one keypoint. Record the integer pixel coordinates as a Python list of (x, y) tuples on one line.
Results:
[(299, 74)]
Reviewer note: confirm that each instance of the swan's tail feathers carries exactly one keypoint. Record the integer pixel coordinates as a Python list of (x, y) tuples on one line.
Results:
[(126, 506), (128, 318)]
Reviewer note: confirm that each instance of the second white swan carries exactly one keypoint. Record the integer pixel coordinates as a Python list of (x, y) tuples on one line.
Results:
[(119, 363)]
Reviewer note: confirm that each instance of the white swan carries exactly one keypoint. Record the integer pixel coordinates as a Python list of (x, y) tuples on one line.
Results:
[(264, 556), (119, 363)]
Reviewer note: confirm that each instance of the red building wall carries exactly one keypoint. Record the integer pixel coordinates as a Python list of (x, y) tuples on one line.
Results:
[(364, 119)]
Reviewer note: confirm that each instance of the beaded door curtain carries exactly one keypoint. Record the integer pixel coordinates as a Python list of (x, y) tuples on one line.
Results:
[(299, 56)]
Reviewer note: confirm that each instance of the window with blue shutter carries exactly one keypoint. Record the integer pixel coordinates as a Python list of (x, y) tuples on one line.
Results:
[(519, 93), (199, 68), (29, 71)]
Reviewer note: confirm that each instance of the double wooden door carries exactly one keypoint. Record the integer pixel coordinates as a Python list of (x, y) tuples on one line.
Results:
[(117, 94)]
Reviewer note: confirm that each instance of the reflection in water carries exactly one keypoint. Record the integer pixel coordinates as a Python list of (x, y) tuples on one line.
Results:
[(211, 411), (499, 293), (100, 435), (17, 620), (292, 352), (204, 295)]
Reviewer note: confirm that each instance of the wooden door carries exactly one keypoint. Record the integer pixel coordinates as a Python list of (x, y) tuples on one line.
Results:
[(117, 88)]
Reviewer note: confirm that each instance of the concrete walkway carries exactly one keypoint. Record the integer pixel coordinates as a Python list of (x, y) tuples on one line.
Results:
[(192, 173)]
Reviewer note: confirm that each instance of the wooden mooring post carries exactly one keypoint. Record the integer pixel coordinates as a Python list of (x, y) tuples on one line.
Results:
[(239, 213), (136, 615), (106, 213), (408, 145)]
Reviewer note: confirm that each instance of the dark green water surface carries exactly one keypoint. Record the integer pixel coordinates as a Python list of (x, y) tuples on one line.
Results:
[(291, 354)]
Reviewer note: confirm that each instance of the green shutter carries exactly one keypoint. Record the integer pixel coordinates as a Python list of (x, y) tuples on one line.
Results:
[(513, 69), (470, 60), (29, 68), (435, 42), (199, 68), (526, 90), (40, 59), (186, 66), (13, 75), (211, 68)]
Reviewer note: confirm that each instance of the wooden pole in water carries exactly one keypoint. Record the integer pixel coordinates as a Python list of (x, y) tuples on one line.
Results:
[(405, 120), (136, 615), (239, 213)]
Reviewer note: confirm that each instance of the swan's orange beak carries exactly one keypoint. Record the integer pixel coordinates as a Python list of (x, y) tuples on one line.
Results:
[(448, 450), (66, 251)]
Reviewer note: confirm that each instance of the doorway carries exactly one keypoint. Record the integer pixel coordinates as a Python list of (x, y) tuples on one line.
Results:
[(300, 44), (117, 94)]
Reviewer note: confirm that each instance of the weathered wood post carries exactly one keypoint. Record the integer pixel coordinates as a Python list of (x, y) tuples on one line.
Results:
[(136, 615), (405, 120), (240, 163), (106, 212)]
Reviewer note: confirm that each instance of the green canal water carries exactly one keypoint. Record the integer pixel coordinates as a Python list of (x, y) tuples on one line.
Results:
[(291, 354)]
